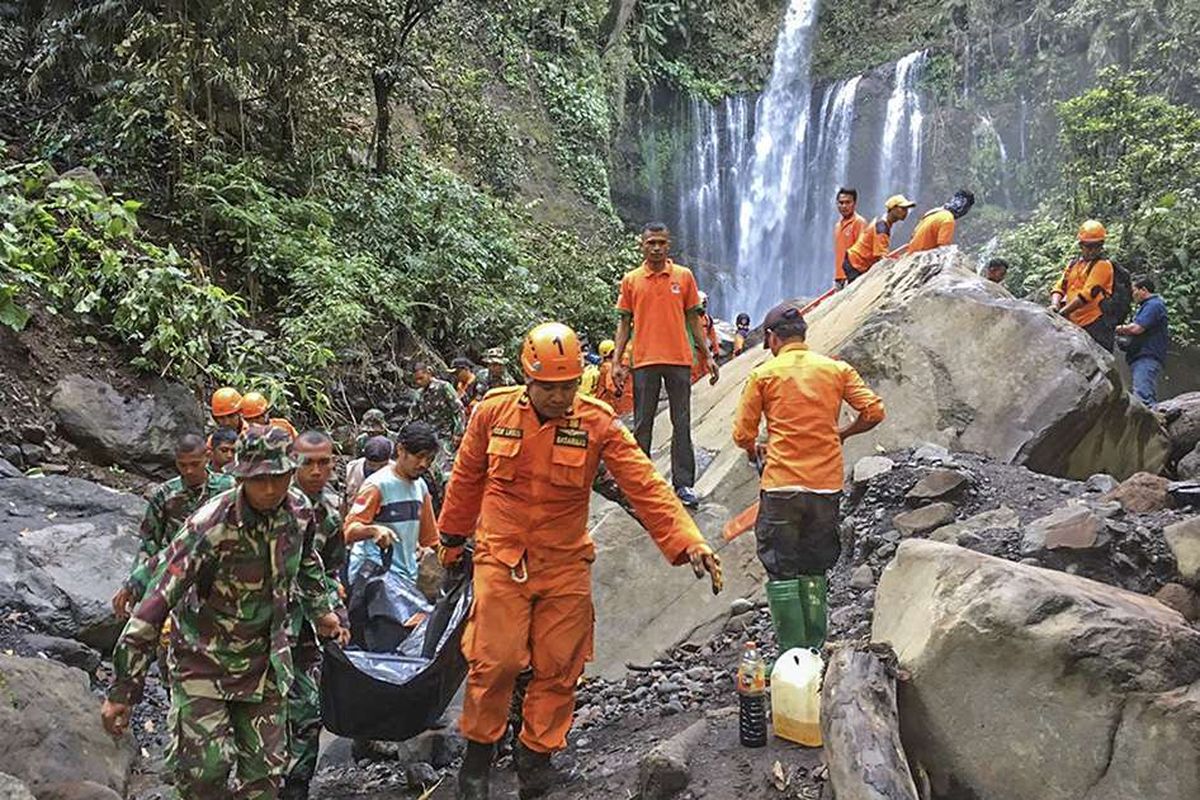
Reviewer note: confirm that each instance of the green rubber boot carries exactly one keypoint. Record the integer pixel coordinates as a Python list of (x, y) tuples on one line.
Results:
[(787, 614), (813, 592)]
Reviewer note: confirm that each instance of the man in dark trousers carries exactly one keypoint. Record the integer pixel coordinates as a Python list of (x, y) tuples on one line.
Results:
[(1147, 348), (660, 310)]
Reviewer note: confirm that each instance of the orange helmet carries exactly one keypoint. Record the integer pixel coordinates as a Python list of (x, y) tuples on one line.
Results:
[(1092, 231), (254, 405), (225, 401), (551, 352)]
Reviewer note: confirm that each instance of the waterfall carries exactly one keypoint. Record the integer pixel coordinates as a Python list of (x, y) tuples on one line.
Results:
[(776, 184), (754, 177), (900, 146)]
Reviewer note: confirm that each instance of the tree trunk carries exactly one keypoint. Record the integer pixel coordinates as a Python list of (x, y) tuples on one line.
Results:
[(383, 119), (614, 22), (861, 728)]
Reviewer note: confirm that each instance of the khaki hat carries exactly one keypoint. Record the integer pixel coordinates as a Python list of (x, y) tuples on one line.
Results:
[(898, 201), (262, 450)]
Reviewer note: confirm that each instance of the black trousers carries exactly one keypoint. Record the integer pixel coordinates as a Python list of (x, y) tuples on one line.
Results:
[(647, 382), (797, 533)]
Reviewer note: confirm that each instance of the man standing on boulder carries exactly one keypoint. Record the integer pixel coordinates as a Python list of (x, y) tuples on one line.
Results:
[(522, 486), (801, 394), (229, 577), (168, 506), (313, 454), (936, 228), (659, 304), (846, 231), (1147, 349), (1084, 285)]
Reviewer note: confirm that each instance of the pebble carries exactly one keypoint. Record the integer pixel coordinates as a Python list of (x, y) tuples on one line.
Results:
[(421, 775), (740, 606), (700, 673), (862, 577), (665, 688)]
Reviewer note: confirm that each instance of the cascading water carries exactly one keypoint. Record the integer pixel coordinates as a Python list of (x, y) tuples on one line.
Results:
[(755, 176), (774, 186)]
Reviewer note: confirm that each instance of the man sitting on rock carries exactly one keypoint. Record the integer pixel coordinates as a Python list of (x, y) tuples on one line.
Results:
[(800, 393), (229, 578)]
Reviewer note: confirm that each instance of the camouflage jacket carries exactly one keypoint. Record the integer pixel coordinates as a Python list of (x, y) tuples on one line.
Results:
[(484, 382), (328, 543), (229, 575), (168, 506), (438, 404)]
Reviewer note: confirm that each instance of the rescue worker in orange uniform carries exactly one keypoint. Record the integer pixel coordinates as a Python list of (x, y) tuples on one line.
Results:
[(801, 394), (1085, 282), (226, 408), (936, 228), (256, 411), (711, 340), (875, 240), (845, 232), (521, 485), (742, 334)]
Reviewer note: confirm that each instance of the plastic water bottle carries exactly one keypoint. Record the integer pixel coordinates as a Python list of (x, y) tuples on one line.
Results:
[(752, 691)]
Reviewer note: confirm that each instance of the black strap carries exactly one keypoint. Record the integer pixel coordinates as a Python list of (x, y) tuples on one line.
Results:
[(450, 540)]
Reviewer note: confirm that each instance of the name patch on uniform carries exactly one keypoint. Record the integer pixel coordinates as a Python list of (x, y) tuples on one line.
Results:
[(507, 433), (571, 437)]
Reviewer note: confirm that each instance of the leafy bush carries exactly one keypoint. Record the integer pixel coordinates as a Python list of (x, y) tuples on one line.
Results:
[(1131, 159)]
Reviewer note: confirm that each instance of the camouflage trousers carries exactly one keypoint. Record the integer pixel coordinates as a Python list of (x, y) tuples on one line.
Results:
[(211, 736), (437, 475), (304, 713)]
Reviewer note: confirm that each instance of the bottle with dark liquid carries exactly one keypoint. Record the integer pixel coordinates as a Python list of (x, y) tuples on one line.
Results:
[(752, 698)]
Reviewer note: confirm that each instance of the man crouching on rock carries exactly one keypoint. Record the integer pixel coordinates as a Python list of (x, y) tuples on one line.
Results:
[(800, 393), (228, 576), (522, 483)]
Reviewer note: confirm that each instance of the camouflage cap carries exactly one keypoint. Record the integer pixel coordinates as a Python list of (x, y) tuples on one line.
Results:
[(494, 355), (374, 420), (262, 450)]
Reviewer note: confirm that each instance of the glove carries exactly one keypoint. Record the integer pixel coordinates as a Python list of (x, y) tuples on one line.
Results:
[(703, 560), (450, 550)]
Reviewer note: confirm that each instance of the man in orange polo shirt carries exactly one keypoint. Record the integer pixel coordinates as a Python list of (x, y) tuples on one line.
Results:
[(936, 228), (845, 231), (875, 240), (801, 394), (1085, 283), (659, 303), (522, 485)]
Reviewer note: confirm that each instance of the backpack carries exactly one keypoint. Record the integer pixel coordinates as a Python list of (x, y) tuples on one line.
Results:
[(1115, 307)]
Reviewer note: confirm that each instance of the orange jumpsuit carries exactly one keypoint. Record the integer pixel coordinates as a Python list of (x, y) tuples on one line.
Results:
[(523, 486)]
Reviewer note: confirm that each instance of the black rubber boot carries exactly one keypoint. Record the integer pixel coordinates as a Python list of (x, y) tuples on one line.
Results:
[(535, 773), (475, 773), (294, 790)]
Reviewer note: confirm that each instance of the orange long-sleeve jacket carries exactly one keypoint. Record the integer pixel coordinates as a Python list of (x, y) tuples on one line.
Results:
[(800, 393), (523, 486), (936, 229)]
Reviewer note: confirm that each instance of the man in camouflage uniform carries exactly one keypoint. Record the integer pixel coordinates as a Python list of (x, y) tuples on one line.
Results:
[(313, 453), (230, 576), (166, 509), (373, 424), (437, 404), (494, 373)]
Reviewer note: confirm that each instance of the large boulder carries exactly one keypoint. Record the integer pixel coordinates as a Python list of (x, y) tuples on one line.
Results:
[(1182, 414), (66, 545), (53, 740), (138, 432), (959, 363), (1026, 682)]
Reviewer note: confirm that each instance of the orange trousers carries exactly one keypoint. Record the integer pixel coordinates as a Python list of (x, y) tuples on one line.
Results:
[(544, 623)]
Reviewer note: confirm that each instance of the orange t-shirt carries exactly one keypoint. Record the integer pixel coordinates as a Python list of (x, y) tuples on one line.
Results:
[(658, 304), (872, 244), (845, 233), (936, 229), (801, 393), (1093, 283), (524, 486)]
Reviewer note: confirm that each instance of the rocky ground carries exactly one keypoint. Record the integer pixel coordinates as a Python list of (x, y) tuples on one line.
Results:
[(1002, 510)]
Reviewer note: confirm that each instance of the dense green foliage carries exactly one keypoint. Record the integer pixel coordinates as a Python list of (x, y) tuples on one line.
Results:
[(330, 185), (1131, 159)]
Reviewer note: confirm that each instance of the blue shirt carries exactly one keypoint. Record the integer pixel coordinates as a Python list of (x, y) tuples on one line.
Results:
[(400, 503), (1152, 341)]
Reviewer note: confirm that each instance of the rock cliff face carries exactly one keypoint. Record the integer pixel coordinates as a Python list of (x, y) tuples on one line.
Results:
[(958, 362)]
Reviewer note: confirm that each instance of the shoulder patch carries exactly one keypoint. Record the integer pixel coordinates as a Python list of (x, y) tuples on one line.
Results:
[(571, 437)]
